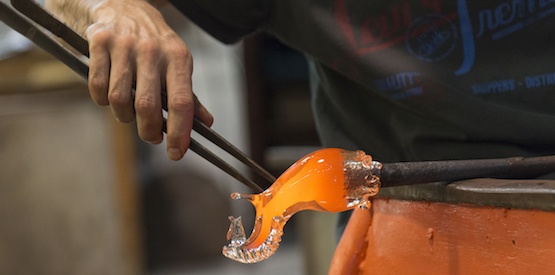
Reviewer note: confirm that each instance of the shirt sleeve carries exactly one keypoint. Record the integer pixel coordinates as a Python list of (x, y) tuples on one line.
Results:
[(226, 20)]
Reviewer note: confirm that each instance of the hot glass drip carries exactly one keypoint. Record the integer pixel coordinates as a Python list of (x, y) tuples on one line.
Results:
[(328, 180)]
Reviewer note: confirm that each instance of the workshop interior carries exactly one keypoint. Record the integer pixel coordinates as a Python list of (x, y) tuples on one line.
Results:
[(97, 200)]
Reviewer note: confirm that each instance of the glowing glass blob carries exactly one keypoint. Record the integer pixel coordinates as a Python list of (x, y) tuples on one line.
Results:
[(328, 180)]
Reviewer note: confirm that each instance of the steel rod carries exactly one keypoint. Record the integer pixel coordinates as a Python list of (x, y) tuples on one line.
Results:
[(407, 173)]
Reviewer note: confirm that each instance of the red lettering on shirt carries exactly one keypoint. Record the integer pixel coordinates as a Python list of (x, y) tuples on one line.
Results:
[(382, 31)]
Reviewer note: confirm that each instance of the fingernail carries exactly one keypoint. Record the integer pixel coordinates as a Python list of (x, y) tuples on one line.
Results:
[(174, 153)]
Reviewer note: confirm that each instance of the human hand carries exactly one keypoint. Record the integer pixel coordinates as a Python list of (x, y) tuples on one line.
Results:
[(130, 42)]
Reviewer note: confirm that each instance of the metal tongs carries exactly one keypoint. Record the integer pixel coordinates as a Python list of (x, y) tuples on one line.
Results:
[(32, 13), (390, 174)]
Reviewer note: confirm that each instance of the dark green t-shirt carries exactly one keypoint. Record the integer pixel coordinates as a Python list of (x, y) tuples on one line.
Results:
[(414, 80)]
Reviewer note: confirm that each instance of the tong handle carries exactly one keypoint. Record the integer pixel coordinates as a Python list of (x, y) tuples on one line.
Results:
[(44, 18)]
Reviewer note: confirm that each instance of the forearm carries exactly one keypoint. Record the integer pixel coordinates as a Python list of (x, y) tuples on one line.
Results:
[(78, 14)]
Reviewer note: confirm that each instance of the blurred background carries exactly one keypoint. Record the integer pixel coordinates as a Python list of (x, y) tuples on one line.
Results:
[(80, 194)]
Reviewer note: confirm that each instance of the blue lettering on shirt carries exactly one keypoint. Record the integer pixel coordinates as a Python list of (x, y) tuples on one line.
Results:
[(500, 21)]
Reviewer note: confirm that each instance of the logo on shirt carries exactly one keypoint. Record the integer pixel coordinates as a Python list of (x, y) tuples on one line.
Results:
[(431, 38), (435, 36)]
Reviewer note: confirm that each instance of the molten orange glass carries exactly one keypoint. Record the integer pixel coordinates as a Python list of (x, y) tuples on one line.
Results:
[(328, 180)]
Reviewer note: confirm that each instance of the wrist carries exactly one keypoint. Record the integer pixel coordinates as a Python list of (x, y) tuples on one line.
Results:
[(75, 13)]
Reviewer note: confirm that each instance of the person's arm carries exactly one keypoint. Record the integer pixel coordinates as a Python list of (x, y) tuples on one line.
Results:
[(129, 40)]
